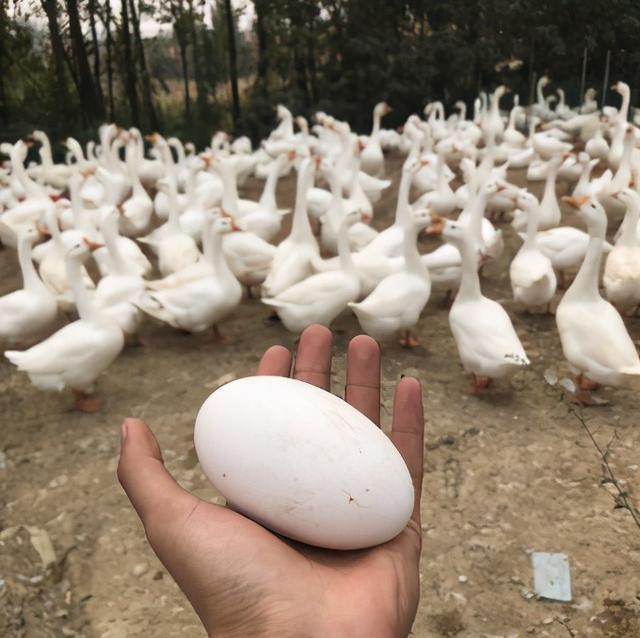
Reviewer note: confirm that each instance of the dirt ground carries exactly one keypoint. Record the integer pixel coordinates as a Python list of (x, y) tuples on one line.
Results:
[(506, 473)]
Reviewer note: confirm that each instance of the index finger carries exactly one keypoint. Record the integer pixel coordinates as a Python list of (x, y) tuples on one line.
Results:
[(363, 376), (275, 362), (313, 359), (407, 433)]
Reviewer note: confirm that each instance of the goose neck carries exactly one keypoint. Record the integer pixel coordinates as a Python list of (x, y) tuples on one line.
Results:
[(86, 309), (585, 284), (30, 278), (470, 282), (268, 197)]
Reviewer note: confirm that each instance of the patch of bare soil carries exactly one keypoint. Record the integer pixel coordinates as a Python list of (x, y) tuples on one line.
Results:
[(505, 473)]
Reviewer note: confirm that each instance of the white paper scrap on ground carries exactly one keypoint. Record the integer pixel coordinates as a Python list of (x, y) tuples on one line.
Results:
[(551, 576)]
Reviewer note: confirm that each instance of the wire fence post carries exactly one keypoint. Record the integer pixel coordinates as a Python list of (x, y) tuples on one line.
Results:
[(605, 84), (583, 79)]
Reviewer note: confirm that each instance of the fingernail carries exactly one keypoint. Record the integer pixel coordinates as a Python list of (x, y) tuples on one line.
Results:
[(124, 428)]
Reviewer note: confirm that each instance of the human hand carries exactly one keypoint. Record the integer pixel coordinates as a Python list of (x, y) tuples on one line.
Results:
[(244, 580)]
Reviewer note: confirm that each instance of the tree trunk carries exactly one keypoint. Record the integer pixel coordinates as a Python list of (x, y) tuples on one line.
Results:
[(147, 94), (96, 50), (233, 63), (129, 68), (182, 46), (261, 7), (196, 57), (4, 106), (107, 28), (59, 55), (89, 100)]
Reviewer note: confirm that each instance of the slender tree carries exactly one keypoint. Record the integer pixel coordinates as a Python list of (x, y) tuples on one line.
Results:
[(129, 66), (147, 93), (4, 40), (233, 62), (181, 31), (92, 10), (90, 103), (58, 53)]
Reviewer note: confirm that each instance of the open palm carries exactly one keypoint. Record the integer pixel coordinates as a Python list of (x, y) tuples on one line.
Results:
[(244, 580)]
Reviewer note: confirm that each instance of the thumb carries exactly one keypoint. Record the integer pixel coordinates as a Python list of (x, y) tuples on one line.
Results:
[(153, 492)]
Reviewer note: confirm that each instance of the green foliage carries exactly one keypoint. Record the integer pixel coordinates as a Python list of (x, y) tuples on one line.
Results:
[(341, 56)]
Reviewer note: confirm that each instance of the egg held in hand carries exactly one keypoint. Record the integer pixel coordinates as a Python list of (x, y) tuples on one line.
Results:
[(303, 463)]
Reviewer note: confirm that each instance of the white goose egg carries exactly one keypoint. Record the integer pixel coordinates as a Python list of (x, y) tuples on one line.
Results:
[(303, 463)]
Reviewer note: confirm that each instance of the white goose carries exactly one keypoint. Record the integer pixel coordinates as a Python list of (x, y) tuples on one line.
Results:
[(397, 301), (265, 220), (137, 209), (55, 175), (117, 292), (28, 312), (175, 249), (200, 303), (390, 241), (53, 269), (622, 268), (594, 338), (321, 297), (78, 353), (338, 207), (29, 210), (533, 280), (372, 159), (488, 345), (292, 260)]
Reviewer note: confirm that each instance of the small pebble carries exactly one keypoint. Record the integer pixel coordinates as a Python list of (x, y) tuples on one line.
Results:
[(138, 569), (462, 579)]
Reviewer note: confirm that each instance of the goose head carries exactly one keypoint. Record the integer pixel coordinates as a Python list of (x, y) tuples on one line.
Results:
[(382, 109), (223, 224), (590, 211), (82, 249), (620, 87), (526, 200), (629, 197), (413, 164), (283, 112), (421, 218)]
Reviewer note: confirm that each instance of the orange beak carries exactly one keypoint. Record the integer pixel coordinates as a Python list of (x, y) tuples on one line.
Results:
[(424, 162), (291, 155), (42, 230), (387, 109), (501, 188), (437, 225), (575, 202), (235, 227), (317, 160), (366, 218), (88, 171), (92, 245), (55, 198), (152, 137)]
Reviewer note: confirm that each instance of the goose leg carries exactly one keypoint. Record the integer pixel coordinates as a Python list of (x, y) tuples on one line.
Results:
[(408, 341), (562, 283), (218, 337), (479, 383), (586, 384), (87, 403)]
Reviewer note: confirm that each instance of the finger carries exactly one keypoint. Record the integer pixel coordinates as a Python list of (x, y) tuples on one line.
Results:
[(407, 433), (275, 362), (363, 376), (313, 359), (153, 492)]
